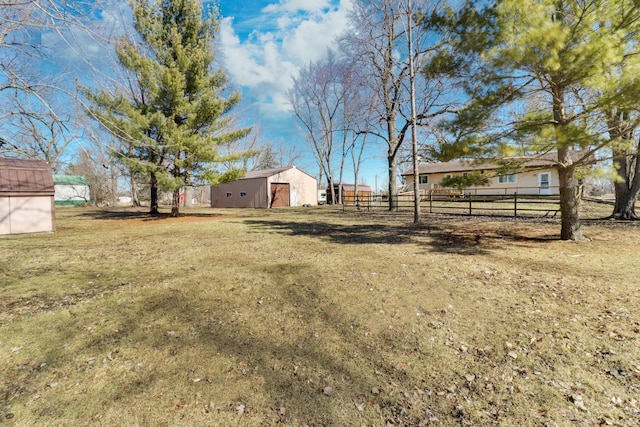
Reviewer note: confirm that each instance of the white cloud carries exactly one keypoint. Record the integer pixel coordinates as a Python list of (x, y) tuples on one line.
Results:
[(294, 33), (288, 6), (311, 39)]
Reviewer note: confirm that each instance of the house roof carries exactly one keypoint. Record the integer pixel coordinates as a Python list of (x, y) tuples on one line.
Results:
[(25, 176), (535, 161)]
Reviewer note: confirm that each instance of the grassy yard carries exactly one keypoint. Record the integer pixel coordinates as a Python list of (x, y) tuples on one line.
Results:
[(318, 317)]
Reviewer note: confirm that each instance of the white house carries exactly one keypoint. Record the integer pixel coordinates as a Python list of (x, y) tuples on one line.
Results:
[(534, 175)]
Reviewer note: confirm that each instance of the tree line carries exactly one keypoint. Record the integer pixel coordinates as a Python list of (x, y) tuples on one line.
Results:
[(500, 80), (161, 116), (432, 80)]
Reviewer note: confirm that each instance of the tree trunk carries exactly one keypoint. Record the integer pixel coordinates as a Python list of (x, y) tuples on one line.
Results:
[(569, 197), (393, 176), (135, 199), (175, 203), (332, 190), (153, 202), (627, 186), (188, 196), (414, 135)]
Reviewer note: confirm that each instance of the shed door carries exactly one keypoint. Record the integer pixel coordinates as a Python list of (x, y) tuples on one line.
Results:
[(279, 194)]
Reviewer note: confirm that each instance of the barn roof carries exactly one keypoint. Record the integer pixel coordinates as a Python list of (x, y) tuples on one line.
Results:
[(266, 173), (24, 176)]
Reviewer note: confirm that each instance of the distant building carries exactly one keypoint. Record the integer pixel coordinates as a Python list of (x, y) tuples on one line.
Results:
[(71, 190), (537, 174), (269, 188), (26, 196), (349, 194)]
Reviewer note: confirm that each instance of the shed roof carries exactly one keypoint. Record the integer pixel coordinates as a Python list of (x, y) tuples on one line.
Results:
[(25, 176), (266, 173)]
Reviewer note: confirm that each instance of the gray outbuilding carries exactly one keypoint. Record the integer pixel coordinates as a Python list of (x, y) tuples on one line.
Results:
[(26, 196), (268, 188)]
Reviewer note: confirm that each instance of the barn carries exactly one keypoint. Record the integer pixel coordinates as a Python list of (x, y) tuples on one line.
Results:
[(268, 188), (26, 196), (71, 190)]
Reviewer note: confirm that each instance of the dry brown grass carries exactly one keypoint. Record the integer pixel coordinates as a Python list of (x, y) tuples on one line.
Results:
[(317, 317)]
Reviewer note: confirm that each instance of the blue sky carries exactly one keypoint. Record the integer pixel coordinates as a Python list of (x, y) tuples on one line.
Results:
[(261, 44)]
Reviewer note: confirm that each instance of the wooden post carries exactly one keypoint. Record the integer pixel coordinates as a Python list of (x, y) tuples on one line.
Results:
[(430, 201), (470, 198), (515, 204)]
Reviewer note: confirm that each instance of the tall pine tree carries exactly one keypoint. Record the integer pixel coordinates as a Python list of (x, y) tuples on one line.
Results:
[(539, 72), (172, 116)]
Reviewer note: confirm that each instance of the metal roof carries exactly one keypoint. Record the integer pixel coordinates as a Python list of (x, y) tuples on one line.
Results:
[(24, 176), (265, 173), (70, 180)]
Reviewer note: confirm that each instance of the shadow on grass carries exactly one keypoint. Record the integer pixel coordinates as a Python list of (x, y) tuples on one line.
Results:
[(440, 236), (142, 214), (294, 364)]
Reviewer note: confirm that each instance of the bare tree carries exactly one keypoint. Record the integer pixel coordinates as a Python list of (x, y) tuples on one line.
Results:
[(34, 121), (379, 43), (625, 151), (317, 100)]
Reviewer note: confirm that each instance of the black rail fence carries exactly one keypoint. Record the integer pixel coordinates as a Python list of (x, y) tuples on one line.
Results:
[(514, 205)]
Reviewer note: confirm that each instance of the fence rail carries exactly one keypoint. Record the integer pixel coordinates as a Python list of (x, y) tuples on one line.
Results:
[(468, 204)]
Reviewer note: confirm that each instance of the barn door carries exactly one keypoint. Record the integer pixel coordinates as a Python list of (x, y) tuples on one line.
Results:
[(279, 194)]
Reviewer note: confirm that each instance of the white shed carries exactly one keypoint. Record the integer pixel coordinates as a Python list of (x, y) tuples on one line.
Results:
[(269, 188), (26, 196)]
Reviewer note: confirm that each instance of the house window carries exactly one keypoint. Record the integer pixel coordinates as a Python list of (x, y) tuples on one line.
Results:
[(229, 194), (503, 179), (243, 194), (424, 179)]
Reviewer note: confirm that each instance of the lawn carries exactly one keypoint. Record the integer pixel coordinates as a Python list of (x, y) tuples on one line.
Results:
[(318, 317)]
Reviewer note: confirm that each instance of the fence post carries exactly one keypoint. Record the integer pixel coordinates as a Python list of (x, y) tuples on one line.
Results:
[(430, 202), (515, 204), (470, 198)]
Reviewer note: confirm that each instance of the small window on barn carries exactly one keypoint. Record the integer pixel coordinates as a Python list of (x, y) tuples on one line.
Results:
[(229, 194), (424, 179), (243, 194), (503, 179)]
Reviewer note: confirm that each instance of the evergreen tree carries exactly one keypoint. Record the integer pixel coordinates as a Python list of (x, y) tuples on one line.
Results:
[(535, 71), (173, 115)]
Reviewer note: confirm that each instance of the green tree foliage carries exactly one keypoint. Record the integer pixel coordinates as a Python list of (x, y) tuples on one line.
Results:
[(173, 116), (538, 77), (460, 182)]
